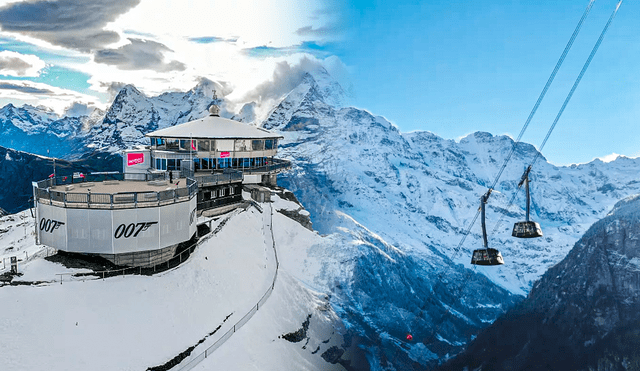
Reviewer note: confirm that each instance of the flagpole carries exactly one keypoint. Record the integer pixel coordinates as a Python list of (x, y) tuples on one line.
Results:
[(190, 155)]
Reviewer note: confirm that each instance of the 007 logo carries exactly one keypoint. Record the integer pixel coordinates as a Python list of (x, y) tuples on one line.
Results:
[(132, 230), (50, 225)]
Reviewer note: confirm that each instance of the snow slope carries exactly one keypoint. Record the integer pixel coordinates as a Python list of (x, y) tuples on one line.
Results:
[(135, 322)]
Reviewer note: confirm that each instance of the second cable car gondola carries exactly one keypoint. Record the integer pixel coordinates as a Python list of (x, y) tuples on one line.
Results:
[(528, 228), (486, 256)]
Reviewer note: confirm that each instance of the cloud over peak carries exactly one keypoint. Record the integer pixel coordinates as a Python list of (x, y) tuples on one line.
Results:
[(139, 54), (20, 65)]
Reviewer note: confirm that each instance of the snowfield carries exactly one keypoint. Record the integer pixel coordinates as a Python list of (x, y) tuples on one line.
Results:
[(135, 322)]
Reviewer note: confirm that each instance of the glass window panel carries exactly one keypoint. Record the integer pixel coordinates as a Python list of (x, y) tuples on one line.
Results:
[(224, 145), (243, 145), (258, 145), (184, 144), (268, 144), (171, 164), (172, 144), (196, 164), (164, 164), (203, 145)]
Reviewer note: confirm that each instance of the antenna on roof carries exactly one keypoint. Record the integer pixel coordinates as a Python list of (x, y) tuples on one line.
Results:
[(214, 110)]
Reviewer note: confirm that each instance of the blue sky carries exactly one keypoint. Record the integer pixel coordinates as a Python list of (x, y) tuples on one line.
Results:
[(455, 67), (450, 67)]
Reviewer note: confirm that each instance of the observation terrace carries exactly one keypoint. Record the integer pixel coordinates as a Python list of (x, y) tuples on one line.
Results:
[(116, 190)]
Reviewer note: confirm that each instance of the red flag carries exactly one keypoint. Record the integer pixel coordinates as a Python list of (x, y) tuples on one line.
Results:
[(193, 145), (81, 175), (51, 176)]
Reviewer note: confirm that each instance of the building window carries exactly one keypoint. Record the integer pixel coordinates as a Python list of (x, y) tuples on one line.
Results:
[(224, 145), (203, 145), (160, 143), (207, 196), (268, 144), (173, 164), (257, 145), (221, 192), (172, 144), (243, 145), (185, 144), (224, 163)]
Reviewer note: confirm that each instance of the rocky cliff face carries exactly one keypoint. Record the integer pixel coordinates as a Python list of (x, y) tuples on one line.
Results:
[(584, 313)]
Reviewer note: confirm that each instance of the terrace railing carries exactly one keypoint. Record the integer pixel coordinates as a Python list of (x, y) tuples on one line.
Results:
[(117, 200)]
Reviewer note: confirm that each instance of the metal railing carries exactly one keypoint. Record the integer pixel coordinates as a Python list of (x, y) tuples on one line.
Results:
[(116, 200), (200, 357), (219, 178), (276, 165)]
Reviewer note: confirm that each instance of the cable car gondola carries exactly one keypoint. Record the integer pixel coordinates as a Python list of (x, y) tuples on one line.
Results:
[(486, 256), (528, 228)]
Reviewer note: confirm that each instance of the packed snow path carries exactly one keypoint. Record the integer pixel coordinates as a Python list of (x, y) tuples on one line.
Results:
[(198, 355), (136, 322)]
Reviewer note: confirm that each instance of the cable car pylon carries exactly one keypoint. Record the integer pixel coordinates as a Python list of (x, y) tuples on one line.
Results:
[(486, 256), (528, 228)]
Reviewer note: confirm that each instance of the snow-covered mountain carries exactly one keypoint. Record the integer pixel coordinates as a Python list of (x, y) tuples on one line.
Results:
[(38, 130), (131, 115), (394, 207), (417, 193)]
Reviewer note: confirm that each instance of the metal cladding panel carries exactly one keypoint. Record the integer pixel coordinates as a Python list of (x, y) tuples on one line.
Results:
[(193, 225), (116, 231), (89, 231), (174, 222), (135, 230), (100, 228), (52, 226)]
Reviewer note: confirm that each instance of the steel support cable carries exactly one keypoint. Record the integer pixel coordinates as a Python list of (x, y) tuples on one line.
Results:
[(545, 89), (457, 250), (566, 102), (576, 31)]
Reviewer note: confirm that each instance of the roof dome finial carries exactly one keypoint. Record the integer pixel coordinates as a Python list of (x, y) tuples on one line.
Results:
[(214, 110)]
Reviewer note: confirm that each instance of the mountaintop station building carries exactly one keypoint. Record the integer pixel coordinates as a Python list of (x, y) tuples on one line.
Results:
[(139, 216)]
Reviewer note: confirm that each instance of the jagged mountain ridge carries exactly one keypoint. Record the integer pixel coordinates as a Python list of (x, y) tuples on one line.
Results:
[(582, 314), (417, 193), (398, 203), (131, 115)]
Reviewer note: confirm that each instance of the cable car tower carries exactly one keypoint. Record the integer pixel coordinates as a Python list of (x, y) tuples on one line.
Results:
[(486, 256), (528, 228)]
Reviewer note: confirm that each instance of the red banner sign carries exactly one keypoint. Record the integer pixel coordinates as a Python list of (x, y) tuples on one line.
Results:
[(224, 154), (135, 158)]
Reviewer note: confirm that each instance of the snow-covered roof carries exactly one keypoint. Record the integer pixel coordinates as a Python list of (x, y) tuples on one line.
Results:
[(213, 127)]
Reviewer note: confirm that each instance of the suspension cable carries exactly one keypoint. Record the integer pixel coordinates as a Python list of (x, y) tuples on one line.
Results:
[(531, 114), (564, 105)]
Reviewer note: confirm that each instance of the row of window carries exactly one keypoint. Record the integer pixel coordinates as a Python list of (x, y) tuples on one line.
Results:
[(213, 163), (221, 192), (220, 145)]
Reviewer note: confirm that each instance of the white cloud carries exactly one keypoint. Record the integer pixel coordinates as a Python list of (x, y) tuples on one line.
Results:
[(22, 65), (39, 94), (189, 40)]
